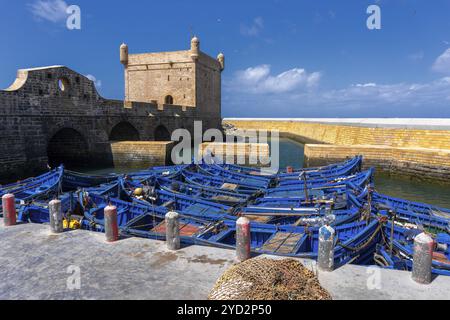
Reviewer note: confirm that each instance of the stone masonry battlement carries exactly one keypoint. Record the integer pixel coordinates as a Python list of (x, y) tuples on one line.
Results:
[(52, 115)]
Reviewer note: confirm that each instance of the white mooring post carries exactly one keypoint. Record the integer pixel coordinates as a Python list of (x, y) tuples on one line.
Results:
[(243, 236), (173, 231), (325, 260), (423, 258), (56, 217)]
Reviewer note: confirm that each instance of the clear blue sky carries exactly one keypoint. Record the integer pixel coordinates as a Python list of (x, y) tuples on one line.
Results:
[(283, 58)]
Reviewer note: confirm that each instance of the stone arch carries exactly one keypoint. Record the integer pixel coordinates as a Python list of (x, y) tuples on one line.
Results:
[(168, 100), (68, 147), (124, 131), (162, 134)]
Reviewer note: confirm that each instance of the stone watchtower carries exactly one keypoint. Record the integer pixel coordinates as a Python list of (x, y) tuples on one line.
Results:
[(188, 78)]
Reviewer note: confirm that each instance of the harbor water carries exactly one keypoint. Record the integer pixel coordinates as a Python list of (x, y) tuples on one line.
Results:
[(292, 152)]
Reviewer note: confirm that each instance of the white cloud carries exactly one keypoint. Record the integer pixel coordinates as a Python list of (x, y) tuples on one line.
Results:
[(442, 63), (259, 80), (288, 94), (254, 29), (370, 95), (50, 10), (98, 83), (366, 85)]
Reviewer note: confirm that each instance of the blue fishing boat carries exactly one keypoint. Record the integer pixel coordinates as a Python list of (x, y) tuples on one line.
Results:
[(412, 219), (345, 168), (167, 172), (265, 239), (43, 186), (194, 191), (38, 212), (314, 213), (417, 214), (397, 249), (411, 206), (74, 180), (135, 219), (357, 182), (302, 181), (219, 172), (240, 186), (285, 210)]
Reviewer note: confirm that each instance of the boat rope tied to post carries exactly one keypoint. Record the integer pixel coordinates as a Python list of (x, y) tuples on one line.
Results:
[(364, 244), (380, 260)]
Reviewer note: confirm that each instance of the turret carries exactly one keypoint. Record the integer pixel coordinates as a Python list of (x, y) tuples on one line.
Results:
[(195, 48), (221, 59), (124, 54)]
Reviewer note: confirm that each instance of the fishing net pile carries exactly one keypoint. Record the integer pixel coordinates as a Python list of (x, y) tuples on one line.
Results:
[(268, 279)]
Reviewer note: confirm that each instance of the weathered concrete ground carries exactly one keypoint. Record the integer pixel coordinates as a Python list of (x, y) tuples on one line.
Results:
[(37, 265)]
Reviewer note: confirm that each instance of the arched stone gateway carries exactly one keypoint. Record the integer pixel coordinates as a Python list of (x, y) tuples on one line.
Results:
[(68, 147), (124, 131), (162, 134)]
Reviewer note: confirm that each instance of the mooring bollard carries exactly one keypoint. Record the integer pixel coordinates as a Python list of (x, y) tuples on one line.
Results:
[(423, 258), (9, 210), (56, 217), (111, 228), (173, 231), (243, 239), (289, 170), (325, 260)]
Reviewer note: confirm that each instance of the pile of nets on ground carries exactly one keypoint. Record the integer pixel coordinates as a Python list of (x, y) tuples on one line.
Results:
[(268, 279)]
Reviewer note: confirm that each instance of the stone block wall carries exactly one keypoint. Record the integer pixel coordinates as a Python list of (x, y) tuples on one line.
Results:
[(191, 77), (418, 163), (253, 154), (352, 135), (37, 112), (139, 154), (154, 76), (419, 151)]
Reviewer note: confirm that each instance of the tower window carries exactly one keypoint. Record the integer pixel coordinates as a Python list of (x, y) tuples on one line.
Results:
[(63, 84), (168, 100)]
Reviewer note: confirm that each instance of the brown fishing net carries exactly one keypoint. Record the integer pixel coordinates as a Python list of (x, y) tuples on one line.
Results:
[(268, 279)]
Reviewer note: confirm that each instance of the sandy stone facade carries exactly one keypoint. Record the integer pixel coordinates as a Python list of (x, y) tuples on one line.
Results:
[(189, 78), (419, 151)]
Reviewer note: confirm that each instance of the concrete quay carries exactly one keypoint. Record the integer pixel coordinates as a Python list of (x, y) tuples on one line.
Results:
[(36, 265)]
